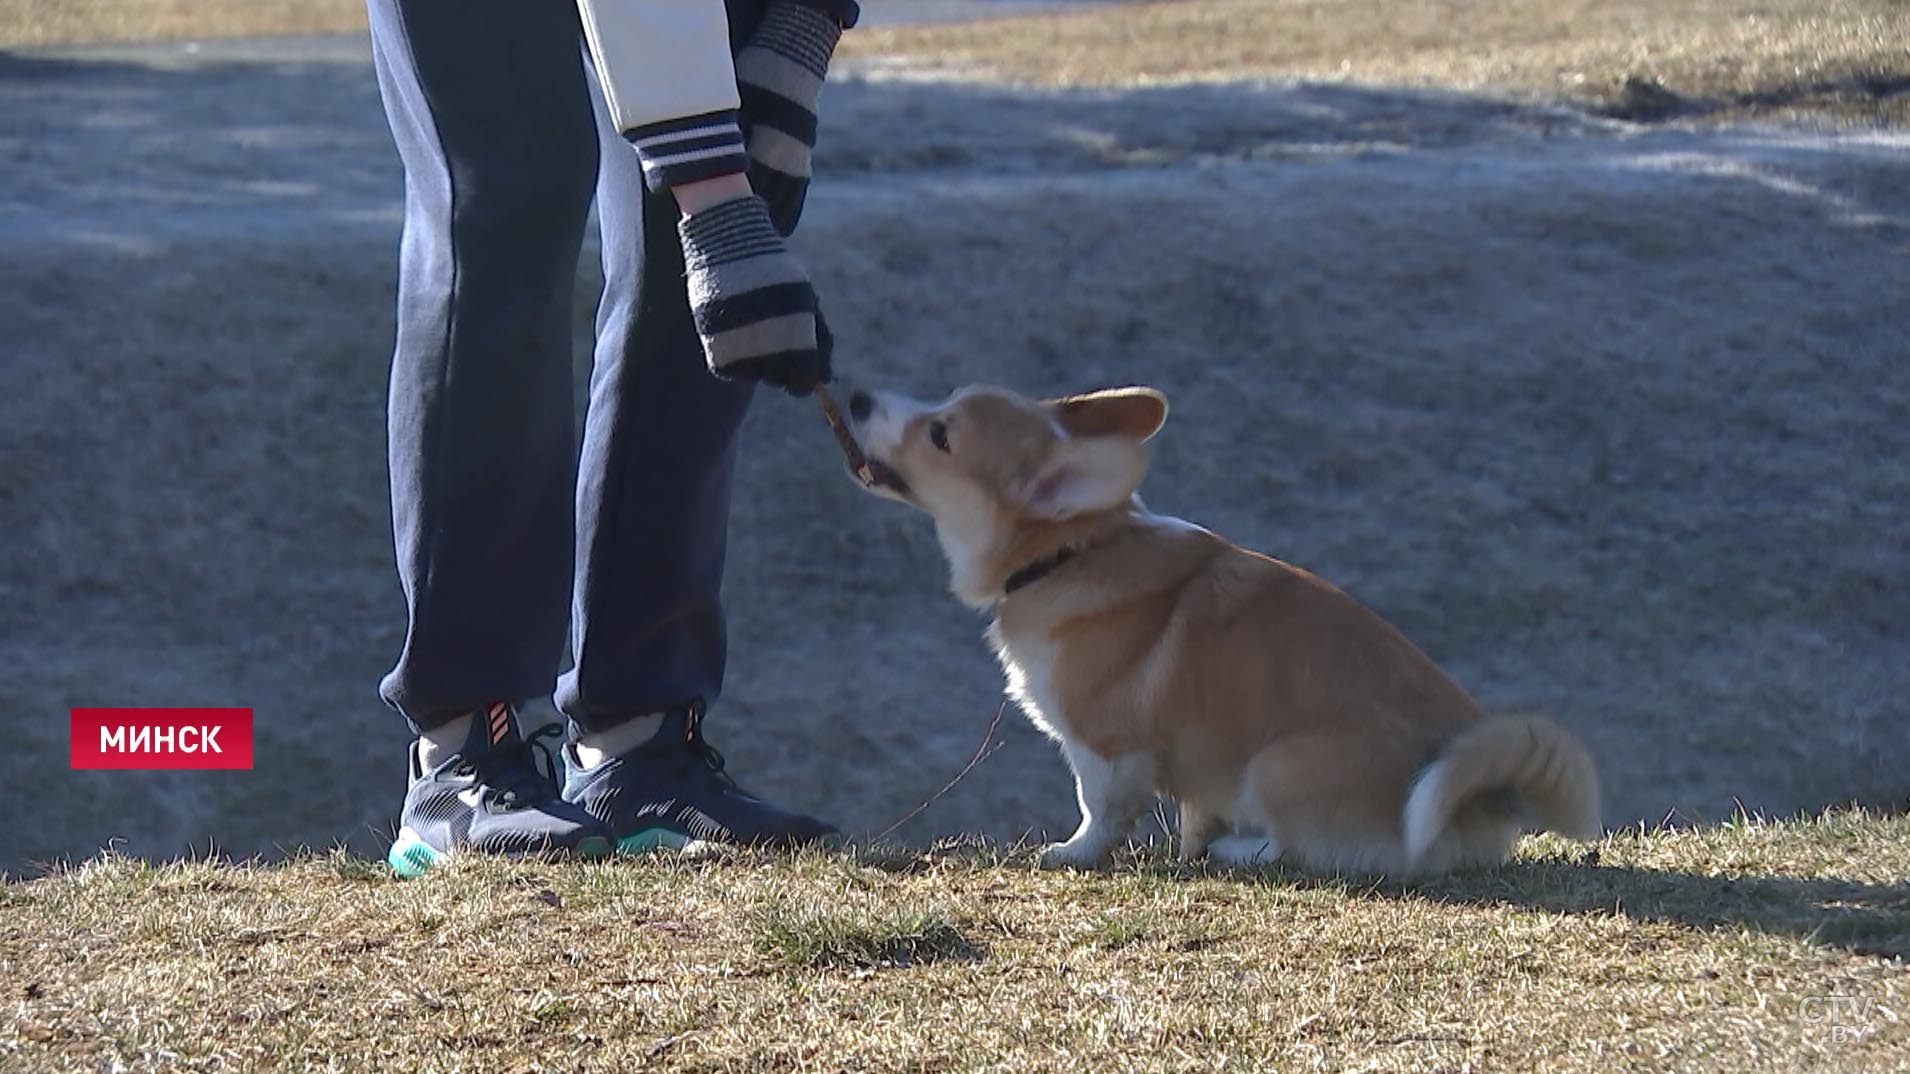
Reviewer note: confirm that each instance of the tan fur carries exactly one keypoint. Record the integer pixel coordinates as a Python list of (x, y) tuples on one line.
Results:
[(1284, 716)]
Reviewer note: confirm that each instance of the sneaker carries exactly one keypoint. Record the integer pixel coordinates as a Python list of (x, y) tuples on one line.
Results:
[(672, 793), (491, 797)]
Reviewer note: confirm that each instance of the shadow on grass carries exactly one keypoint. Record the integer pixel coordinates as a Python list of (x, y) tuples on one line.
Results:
[(847, 939), (1865, 919), (1861, 918)]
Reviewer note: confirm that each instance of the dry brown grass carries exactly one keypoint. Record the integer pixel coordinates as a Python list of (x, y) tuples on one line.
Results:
[(31, 23), (1849, 56), (1746, 948), (1639, 58)]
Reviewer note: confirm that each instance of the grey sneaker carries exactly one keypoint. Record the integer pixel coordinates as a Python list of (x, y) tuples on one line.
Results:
[(672, 793), (491, 797)]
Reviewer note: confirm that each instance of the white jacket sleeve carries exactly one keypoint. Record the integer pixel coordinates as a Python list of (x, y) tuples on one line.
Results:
[(660, 60)]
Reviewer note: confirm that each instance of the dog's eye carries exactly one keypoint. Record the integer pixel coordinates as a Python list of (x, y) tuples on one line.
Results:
[(938, 435)]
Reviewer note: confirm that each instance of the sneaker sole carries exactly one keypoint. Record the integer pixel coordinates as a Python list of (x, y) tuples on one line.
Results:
[(411, 857), (654, 840)]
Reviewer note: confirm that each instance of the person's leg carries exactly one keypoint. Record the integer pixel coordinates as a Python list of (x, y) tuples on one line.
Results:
[(653, 482), (488, 108), (653, 496), (653, 485)]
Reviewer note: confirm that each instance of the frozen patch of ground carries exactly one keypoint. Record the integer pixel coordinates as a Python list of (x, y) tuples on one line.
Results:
[(1616, 423)]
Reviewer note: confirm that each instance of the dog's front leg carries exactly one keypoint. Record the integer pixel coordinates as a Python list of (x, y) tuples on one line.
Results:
[(1112, 792), (1197, 828)]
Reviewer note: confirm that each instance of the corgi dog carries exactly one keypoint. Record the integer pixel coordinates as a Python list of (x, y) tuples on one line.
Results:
[(1288, 721)]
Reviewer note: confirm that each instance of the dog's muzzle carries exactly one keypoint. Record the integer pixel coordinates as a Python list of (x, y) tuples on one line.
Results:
[(881, 474)]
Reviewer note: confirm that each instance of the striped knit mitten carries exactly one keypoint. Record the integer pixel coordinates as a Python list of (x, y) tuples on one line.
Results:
[(779, 75), (754, 307)]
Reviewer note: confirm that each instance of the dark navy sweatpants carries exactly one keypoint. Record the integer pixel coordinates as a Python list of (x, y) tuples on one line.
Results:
[(504, 531)]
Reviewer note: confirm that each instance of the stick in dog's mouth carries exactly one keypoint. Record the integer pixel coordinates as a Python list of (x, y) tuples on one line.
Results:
[(860, 465), (882, 475)]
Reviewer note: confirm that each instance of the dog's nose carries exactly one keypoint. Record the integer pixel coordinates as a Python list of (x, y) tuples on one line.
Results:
[(861, 405)]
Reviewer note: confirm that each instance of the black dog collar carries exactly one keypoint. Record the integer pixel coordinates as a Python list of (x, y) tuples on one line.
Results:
[(1037, 570)]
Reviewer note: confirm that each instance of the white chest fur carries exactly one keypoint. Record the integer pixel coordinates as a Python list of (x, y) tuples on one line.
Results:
[(1028, 663)]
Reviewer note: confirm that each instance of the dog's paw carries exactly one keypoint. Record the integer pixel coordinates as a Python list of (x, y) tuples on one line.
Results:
[(1072, 856), (1243, 851)]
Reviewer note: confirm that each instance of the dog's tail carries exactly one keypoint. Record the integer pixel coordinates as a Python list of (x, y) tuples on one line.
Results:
[(1534, 757)]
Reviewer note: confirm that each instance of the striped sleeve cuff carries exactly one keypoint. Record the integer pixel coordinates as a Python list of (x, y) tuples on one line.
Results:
[(679, 151)]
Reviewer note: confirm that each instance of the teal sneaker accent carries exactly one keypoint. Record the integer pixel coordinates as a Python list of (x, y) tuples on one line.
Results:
[(411, 857), (652, 839)]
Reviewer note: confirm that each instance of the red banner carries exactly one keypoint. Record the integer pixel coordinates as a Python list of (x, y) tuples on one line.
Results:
[(162, 738)]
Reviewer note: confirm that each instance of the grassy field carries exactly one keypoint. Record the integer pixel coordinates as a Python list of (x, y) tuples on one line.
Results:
[(1753, 947), (1640, 59), (31, 23), (1635, 57), (1656, 591)]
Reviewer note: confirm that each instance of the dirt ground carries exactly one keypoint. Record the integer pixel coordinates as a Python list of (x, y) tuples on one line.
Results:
[(1614, 420)]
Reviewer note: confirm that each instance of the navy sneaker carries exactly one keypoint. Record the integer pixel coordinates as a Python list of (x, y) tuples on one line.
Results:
[(672, 793), (492, 798)]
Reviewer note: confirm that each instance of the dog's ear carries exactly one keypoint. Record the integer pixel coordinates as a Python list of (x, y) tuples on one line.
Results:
[(1083, 474), (1131, 412)]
